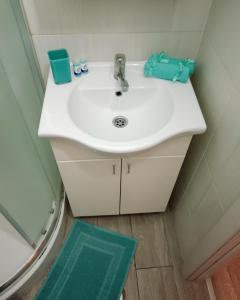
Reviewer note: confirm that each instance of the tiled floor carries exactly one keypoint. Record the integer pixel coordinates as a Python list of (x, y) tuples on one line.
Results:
[(154, 274), (152, 265)]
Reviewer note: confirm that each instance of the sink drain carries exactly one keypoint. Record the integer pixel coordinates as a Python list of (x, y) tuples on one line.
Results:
[(120, 122)]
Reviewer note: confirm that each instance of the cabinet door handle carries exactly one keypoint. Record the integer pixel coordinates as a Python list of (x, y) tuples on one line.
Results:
[(128, 168), (114, 169)]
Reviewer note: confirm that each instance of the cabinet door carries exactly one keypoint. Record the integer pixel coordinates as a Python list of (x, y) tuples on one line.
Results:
[(147, 183), (93, 187)]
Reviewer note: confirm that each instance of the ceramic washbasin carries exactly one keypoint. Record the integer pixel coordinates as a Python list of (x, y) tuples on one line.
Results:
[(95, 110), (89, 110)]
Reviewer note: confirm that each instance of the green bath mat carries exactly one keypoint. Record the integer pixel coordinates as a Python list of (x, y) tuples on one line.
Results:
[(93, 265)]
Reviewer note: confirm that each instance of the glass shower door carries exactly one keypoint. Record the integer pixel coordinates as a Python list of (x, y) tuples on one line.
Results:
[(29, 179), (26, 196)]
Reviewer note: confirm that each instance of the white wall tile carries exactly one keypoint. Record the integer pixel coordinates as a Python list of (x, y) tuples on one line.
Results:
[(71, 17), (213, 87), (103, 47), (43, 44), (200, 183), (188, 43), (192, 160), (84, 16), (226, 137), (209, 211), (228, 178), (191, 14), (127, 16), (186, 234), (42, 16), (99, 29), (213, 183), (223, 32)]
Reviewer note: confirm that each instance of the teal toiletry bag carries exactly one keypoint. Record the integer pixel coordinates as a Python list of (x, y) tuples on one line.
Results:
[(170, 68), (60, 65), (168, 72)]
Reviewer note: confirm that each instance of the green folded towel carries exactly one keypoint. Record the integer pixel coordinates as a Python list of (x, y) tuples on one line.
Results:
[(170, 68)]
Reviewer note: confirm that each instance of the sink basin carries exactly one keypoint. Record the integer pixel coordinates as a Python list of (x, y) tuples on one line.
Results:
[(145, 112), (91, 110)]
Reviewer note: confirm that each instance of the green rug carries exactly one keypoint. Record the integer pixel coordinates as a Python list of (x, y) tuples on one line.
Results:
[(93, 265)]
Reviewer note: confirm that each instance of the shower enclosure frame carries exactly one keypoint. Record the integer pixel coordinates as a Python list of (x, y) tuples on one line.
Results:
[(39, 249)]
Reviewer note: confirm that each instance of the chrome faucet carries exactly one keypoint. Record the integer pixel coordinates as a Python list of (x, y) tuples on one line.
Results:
[(119, 71)]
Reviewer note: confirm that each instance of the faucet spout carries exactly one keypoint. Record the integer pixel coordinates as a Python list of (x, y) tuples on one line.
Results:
[(119, 71), (124, 84)]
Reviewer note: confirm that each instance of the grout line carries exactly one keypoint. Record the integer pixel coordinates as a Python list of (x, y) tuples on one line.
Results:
[(163, 217), (134, 259), (120, 187), (137, 279), (170, 234), (131, 226), (155, 267), (139, 297), (95, 33)]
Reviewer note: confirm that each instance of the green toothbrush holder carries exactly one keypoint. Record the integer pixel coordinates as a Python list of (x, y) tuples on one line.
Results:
[(60, 65)]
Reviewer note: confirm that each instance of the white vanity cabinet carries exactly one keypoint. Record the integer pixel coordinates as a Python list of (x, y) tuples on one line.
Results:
[(89, 112), (147, 183), (99, 183), (92, 186)]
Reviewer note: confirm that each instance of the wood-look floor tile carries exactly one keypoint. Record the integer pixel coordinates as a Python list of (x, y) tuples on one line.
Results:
[(92, 220), (187, 290), (152, 243), (69, 223), (122, 224), (197, 290), (116, 223), (68, 220), (174, 254), (157, 284), (153, 283), (32, 294)]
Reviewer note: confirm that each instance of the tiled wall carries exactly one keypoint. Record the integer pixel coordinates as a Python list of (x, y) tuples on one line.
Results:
[(209, 183), (97, 29)]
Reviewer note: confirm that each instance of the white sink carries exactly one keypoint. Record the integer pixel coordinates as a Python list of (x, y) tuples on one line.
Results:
[(150, 112), (93, 112)]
